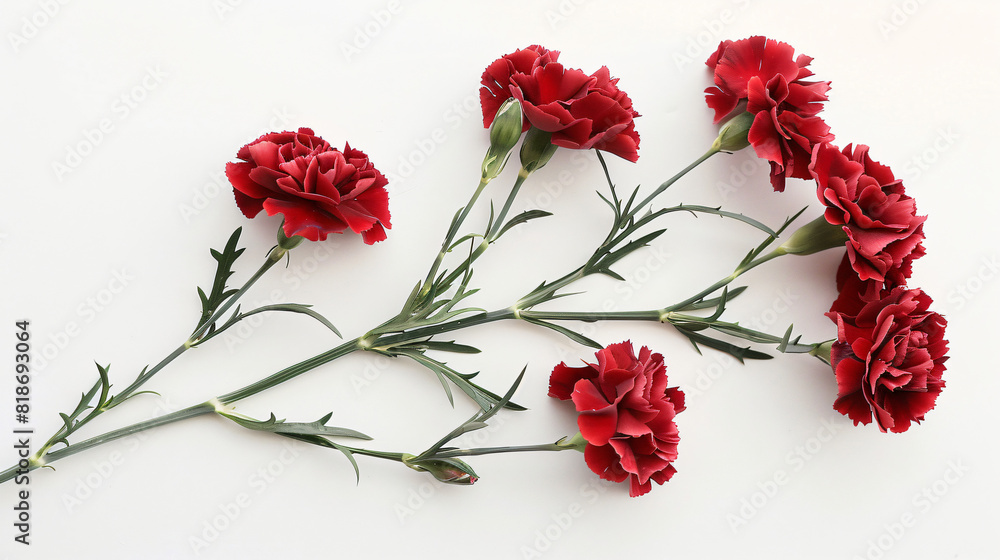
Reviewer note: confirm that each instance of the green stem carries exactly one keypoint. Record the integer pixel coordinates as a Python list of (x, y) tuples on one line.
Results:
[(450, 237), (498, 222), (142, 379), (626, 223), (666, 184), (36, 461), (391, 456), (725, 281), (64, 432), (491, 234), (42, 458), (590, 317), (491, 450), (425, 332), (389, 341), (293, 371)]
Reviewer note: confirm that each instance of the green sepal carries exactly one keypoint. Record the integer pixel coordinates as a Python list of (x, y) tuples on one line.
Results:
[(448, 470)]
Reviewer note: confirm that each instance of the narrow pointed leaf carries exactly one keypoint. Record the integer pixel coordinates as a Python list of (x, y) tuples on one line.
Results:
[(714, 302), (224, 270), (521, 218), (450, 346), (572, 335), (738, 352), (272, 424), (323, 442)]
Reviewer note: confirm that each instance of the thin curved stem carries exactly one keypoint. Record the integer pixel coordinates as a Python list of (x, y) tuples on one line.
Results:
[(725, 281), (450, 237), (129, 391)]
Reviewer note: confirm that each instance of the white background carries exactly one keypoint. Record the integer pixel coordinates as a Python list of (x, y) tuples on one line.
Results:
[(103, 259)]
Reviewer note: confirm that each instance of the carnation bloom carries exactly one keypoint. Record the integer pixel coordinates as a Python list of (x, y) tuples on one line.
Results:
[(889, 358), (317, 188), (870, 204), (497, 78), (626, 414), (763, 73), (580, 111)]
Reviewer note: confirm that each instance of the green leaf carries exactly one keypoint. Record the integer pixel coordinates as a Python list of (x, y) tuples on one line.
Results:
[(489, 223), (295, 308), (453, 227), (506, 398), (627, 209), (733, 215), (445, 374), (317, 428), (714, 302), (612, 205), (105, 384), (611, 273), (520, 219), (85, 398), (739, 331), (738, 352), (447, 346), (572, 335), (223, 271), (323, 442), (289, 307), (67, 422), (789, 221), (477, 421), (616, 256), (509, 405), (464, 238), (789, 346)]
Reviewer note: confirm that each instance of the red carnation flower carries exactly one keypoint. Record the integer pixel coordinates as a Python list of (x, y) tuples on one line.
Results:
[(870, 204), (581, 111), (318, 189), (626, 414), (763, 73), (497, 78), (889, 358)]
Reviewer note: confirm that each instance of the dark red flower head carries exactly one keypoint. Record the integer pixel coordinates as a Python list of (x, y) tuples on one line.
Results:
[(889, 358), (626, 414), (581, 111), (497, 78), (763, 73), (319, 189), (864, 198)]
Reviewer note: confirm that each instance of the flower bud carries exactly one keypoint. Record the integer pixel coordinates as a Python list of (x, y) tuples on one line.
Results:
[(536, 150), (504, 134), (818, 235), (734, 134), (449, 471)]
